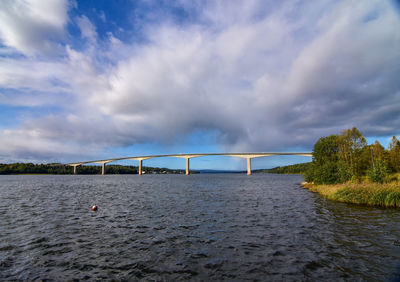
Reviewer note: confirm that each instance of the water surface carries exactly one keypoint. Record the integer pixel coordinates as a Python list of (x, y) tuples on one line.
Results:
[(197, 227)]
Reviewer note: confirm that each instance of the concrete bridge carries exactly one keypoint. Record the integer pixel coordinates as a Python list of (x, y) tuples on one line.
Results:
[(247, 156)]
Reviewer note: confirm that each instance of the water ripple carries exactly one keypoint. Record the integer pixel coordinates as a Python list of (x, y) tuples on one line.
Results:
[(202, 227)]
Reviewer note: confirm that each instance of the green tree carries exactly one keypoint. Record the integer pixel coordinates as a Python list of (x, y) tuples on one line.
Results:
[(344, 172), (370, 154), (394, 155), (351, 144), (339, 158), (378, 171), (324, 168)]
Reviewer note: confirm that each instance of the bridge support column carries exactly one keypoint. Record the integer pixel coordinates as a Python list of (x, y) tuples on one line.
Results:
[(248, 166), (103, 168), (187, 166), (140, 167), (75, 169)]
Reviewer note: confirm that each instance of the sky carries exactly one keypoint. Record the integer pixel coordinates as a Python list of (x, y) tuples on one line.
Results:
[(87, 80)]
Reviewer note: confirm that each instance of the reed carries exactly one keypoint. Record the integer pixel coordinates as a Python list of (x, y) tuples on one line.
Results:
[(373, 194)]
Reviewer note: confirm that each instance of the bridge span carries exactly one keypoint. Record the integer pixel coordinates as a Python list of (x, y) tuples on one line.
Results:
[(247, 156)]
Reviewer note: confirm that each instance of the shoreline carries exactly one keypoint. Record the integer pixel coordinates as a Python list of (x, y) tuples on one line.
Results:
[(371, 194)]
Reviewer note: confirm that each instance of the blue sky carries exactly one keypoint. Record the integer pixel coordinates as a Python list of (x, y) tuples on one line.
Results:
[(82, 80)]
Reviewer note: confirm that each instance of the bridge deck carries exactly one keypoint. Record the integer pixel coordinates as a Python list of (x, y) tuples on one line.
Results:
[(189, 156)]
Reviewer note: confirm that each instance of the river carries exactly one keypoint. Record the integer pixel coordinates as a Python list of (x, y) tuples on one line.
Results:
[(229, 227)]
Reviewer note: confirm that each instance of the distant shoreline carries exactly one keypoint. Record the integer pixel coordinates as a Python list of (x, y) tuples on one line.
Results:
[(60, 169)]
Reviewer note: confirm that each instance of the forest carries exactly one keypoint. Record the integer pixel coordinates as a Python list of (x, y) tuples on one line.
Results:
[(289, 169), (344, 157)]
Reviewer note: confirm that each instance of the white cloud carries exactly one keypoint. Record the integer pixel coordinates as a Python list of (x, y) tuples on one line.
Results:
[(32, 26), (28, 144), (262, 79), (87, 29)]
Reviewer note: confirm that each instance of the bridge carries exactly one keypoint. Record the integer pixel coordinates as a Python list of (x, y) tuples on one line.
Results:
[(247, 156)]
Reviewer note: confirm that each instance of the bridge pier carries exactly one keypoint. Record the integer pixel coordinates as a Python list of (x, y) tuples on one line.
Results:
[(247, 156), (187, 166), (248, 166), (75, 168), (103, 168)]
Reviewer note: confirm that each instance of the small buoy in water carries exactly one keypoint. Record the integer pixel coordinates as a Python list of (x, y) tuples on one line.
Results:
[(94, 208)]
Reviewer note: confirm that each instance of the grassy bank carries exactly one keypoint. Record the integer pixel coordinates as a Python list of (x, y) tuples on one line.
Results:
[(373, 194)]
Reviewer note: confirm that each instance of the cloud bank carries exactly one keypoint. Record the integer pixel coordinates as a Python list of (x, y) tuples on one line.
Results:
[(261, 76)]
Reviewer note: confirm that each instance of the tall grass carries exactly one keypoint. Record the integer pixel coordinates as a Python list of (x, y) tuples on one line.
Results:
[(373, 194)]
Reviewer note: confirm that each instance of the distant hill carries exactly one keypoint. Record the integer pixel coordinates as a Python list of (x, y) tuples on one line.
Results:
[(289, 169)]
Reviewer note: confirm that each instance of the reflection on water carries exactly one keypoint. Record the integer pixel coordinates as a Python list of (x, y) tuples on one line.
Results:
[(200, 227)]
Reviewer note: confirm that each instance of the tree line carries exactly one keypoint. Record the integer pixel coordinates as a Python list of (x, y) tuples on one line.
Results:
[(339, 158), (31, 168), (289, 169)]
